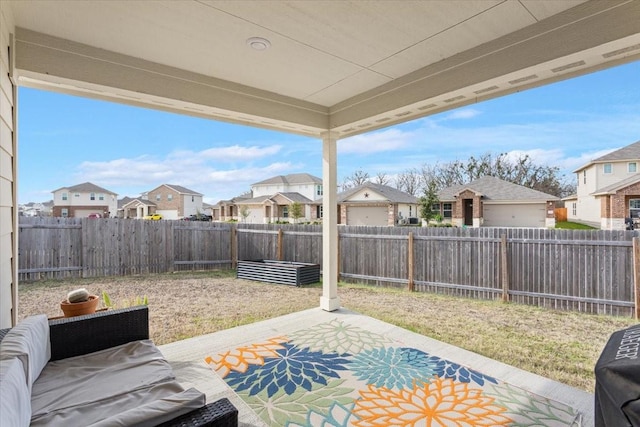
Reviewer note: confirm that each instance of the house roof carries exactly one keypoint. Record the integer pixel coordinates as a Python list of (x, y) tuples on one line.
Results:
[(85, 187), (136, 202), (628, 153), (293, 178), (182, 190), (495, 189), (292, 196), (613, 188), (124, 201), (392, 195), (251, 201)]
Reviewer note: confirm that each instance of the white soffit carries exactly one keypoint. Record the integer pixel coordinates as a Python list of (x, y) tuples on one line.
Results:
[(348, 66)]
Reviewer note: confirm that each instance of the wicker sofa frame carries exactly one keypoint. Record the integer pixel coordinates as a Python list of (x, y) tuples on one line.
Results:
[(76, 336)]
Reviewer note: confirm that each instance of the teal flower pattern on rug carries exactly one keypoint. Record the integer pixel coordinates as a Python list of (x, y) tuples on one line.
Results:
[(394, 368), (339, 375)]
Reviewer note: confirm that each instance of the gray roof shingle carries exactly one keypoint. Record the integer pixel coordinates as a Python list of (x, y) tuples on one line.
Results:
[(85, 187), (496, 189), (293, 178), (183, 190), (630, 152)]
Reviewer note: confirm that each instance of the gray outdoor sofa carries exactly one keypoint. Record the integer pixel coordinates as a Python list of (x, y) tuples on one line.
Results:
[(100, 370)]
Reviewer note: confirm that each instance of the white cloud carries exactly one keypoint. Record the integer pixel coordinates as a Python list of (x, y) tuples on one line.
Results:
[(389, 140), (239, 153), (466, 113), (135, 175)]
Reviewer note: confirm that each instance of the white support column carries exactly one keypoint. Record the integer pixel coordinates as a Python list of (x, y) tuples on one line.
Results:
[(329, 300)]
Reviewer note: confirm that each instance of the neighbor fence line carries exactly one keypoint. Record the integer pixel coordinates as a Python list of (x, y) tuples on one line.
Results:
[(590, 271)]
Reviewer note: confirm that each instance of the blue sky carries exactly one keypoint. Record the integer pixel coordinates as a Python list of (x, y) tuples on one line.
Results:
[(66, 140)]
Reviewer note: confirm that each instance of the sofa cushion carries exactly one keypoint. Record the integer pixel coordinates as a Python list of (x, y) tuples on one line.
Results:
[(28, 341), (98, 385), (157, 412), (15, 407)]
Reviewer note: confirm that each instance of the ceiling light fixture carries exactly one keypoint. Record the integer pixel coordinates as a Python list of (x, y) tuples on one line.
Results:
[(259, 43)]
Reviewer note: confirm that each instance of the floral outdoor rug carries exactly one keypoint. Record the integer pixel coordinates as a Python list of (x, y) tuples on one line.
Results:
[(335, 374)]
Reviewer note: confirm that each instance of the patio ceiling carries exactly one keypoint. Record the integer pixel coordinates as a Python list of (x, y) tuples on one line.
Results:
[(345, 66)]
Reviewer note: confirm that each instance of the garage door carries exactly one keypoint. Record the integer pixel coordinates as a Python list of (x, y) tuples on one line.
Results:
[(532, 215), (367, 215)]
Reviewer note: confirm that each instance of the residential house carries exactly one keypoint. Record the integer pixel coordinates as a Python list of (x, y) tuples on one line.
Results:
[(608, 190), (170, 201), (82, 200), (36, 209), (270, 200), (377, 205), (492, 202), (135, 207)]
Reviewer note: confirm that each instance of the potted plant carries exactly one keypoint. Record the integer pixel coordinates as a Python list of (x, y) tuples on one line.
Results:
[(79, 302)]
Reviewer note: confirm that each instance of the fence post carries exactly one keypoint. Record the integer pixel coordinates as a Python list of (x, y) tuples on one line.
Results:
[(636, 276), (338, 254), (504, 268), (410, 262), (234, 247), (279, 249)]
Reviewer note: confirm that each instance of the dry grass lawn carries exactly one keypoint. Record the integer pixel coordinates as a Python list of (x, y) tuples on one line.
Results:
[(563, 346)]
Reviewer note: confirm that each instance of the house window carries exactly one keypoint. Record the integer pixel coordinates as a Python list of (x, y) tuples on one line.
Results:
[(285, 212), (435, 207), (101, 196), (92, 196), (193, 199), (574, 209), (632, 167), (158, 197), (65, 196), (447, 209), (584, 176), (64, 212), (318, 190), (606, 168), (410, 215), (76, 195), (634, 208), (319, 212), (169, 197)]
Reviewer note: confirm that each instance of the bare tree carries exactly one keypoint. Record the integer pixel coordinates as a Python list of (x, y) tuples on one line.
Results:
[(359, 177), (409, 181), (382, 178), (521, 170)]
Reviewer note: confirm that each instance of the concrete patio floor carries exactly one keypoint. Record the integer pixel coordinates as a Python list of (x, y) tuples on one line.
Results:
[(187, 358)]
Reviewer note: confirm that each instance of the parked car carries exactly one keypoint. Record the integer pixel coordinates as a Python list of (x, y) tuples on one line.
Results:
[(198, 217), (94, 215), (154, 217)]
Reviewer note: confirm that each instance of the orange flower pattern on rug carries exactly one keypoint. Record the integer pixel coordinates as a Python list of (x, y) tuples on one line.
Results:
[(240, 358), (443, 402)]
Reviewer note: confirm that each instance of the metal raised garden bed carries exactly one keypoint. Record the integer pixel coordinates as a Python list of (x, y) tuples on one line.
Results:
[(281, 272)]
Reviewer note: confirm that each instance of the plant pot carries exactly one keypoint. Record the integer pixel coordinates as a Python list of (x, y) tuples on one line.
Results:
[(71, 309)]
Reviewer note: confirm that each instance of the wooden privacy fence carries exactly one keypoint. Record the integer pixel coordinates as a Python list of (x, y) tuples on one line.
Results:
[(589, 271), (83, 247)]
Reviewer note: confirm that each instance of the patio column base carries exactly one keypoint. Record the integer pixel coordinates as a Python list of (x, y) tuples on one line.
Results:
[(329, 304)]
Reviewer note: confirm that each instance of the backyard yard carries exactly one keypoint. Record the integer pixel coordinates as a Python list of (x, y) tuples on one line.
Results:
[(563, 346)]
